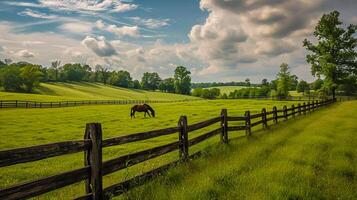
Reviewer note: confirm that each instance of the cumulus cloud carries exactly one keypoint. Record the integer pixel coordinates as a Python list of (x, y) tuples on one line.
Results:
[(99, 46), (132, 31), (123, 7), (76, 27), (35, 14), (151, 23), (25, 53)]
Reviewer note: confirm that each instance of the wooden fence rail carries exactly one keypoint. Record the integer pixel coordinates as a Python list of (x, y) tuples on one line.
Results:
[(95, 168), (59, 104)]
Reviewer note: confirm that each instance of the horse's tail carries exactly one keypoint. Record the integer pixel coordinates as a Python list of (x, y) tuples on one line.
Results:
[(150, 108)]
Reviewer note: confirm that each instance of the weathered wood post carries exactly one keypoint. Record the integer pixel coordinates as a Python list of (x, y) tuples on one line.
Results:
[(316, 104), (264, 118), (16, 103), (313, 105), (285, 112), (304, 108), (248, 129), (224, 126), (183, 138), (293, 111), (275, 115), (309, 106), (299, 108), (93, 158), (0, 103)]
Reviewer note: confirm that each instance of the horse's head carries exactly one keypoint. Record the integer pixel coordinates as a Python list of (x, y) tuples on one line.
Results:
[(153, 113)]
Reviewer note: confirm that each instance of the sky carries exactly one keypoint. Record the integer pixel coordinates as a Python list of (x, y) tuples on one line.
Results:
[(217, 40)]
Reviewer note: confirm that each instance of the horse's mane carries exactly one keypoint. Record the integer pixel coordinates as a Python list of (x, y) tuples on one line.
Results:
[(149, 107)]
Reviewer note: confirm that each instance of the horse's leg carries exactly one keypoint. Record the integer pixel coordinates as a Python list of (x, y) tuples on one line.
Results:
[(134, 113), (148, 113), (145, 114)]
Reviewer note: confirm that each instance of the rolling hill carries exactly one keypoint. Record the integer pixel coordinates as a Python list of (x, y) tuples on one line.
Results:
[(89, 91)]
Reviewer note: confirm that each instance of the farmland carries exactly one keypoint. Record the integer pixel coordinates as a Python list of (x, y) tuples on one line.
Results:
[(228, 89), (26, 127), (294, 160), (88, 91)]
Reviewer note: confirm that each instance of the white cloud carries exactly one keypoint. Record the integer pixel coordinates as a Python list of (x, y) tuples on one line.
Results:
[(88, 5), (35, 14), (132, 31), (77, 27), (99, 46), (124, 7), (151, 23), (25, 54), (24, 4)]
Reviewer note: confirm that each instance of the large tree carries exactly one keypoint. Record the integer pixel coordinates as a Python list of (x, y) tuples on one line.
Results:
[(182, 80), (55, 65), (120, 78), (284, 81), (334, 55), (31, 76), (150, 81)]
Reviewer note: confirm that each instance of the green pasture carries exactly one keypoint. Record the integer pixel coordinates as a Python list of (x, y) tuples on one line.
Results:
[(313, 157), (27, 127), (228, 89), (88, 91)]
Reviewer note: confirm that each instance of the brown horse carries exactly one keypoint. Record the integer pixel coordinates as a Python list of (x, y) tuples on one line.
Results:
[(142, 108)]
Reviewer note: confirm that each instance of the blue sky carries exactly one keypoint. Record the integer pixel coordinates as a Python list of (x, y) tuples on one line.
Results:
[(216, 40)]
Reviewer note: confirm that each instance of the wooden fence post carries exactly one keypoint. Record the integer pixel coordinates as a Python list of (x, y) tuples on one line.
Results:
[(285, 112), (309, 106), (313, 105), (16, 103), (93, 157), (224, 126), (275, 115), (183, 138), (304, 108), (293, 111), (248, 129), (299, 108), (316, 104), (264, 118)]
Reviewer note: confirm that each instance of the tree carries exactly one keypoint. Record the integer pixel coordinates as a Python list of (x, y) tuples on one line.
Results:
[(31, 76), (247, 82), (303, 86), (265, 82), (55, 65), (167, 85), (120, 78), (334, 55), (317, 84), (294, 80), (182, 80), (150, 81), (10, 78), (136, 84), (74, 72), (283, 81), (8, 61)]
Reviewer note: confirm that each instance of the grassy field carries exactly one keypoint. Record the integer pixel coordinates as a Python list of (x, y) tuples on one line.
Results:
[(88, 91), (27, 127), (228, 89), (314, 157)]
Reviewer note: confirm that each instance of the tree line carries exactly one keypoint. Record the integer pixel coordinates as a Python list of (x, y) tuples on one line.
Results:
[(25, 77)]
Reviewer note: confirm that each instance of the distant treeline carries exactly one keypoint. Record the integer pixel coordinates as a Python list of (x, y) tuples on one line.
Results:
[(218, 84), (25, 77)]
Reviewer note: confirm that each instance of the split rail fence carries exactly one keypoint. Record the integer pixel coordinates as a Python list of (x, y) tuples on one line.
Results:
[(95, 168), (59, 104)]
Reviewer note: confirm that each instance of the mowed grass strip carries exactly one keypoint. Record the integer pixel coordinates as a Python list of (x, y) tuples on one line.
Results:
[(314, 157), (89, 91), (27, 127)]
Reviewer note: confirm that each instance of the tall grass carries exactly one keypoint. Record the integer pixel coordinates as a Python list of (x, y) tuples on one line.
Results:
[(314, 157)]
